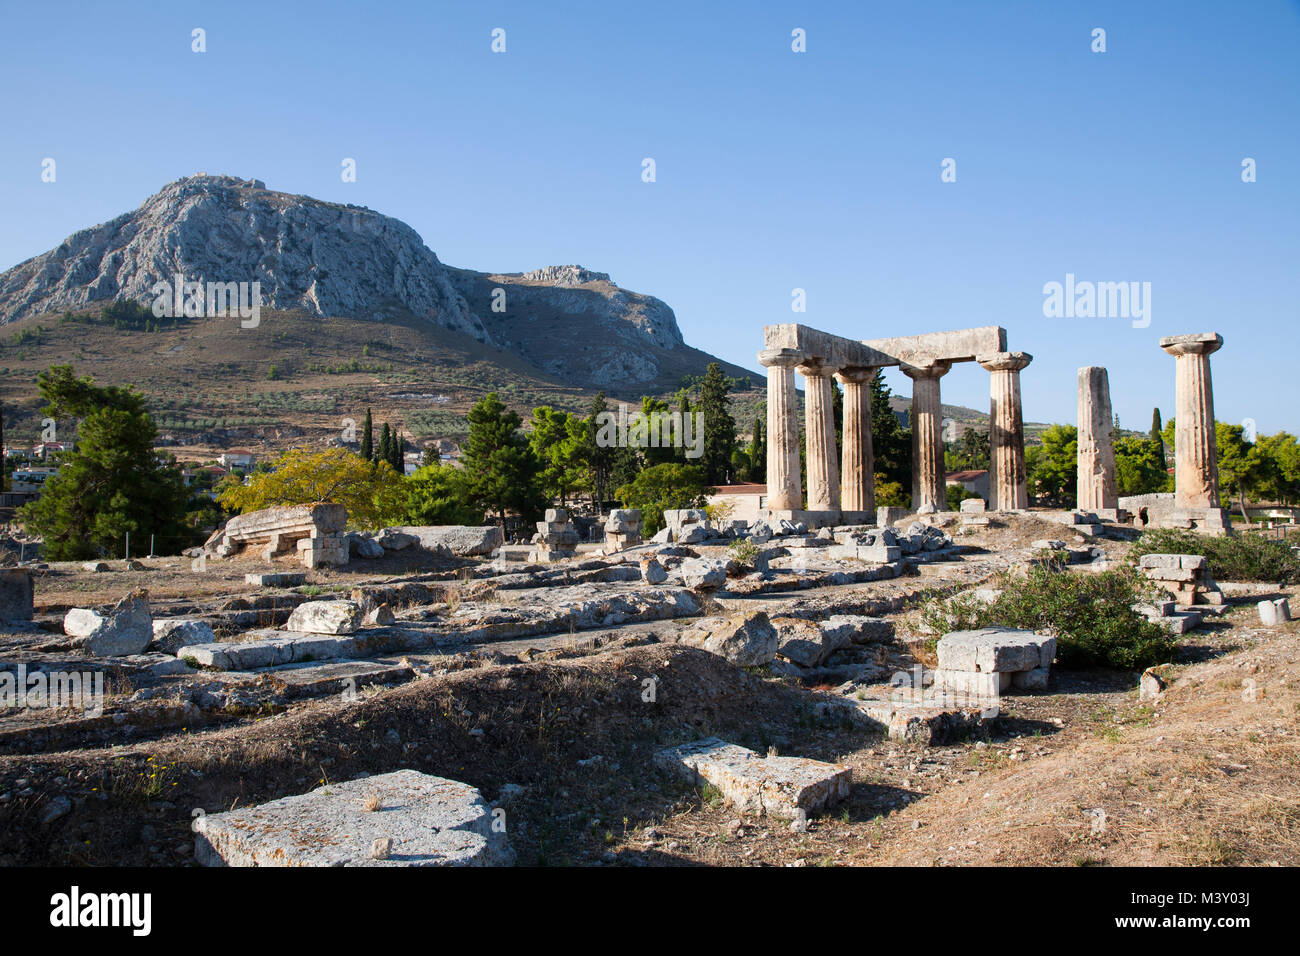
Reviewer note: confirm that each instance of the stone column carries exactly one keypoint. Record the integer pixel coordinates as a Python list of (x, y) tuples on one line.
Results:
[(783, 486), (928, 486), (1097, 486), (1008, 477), (1196, 465), (819, 434), (857, 477)]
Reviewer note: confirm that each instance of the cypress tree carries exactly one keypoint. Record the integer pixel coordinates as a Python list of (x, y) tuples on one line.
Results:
[(368, 439)]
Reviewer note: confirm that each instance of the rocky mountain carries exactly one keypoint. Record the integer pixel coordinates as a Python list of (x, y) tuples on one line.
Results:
[(330, 259)]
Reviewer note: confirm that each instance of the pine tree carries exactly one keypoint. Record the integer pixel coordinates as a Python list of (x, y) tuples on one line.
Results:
[(501, 467), (598, 459), (385, 450), (368, 439), (397, 456)]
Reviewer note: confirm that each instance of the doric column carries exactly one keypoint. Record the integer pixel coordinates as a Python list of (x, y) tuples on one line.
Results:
[(1008, 477), (857, 477), (783, 487), (1196, 465), (928, 487), (1097, 486), (819, 434)]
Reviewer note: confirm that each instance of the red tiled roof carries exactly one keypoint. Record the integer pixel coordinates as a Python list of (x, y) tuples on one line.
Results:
[(966, 475), (746, 489)]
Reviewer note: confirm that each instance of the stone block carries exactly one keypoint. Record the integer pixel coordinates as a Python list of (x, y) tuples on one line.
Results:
[(746, 640), (16, 594), (325, 617), (1274, 612), (126, 629), (773, 786), (171, 634), (973, 506), (1035, 679), (421, 820), (996, 649), (280, 579)]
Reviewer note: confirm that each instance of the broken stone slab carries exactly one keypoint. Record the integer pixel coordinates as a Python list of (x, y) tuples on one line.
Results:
[(171, 634), (460, 540), (928, 719), (394, 539), (860, 628), (325, 617), (772, 786), (313, 679), (16, 594), (421, 820), (367, 548), (746, 640), (95, 567), (653, 572), (1272, 613), (276, 529), (807, 643), (126, 629), (279, 579), (704, 573), (995, 649)]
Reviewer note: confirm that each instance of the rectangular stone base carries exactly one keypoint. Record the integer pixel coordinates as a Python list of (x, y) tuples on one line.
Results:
[(813, 519)]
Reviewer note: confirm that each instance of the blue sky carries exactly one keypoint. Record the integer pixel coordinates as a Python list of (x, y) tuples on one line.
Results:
[(775, 170)]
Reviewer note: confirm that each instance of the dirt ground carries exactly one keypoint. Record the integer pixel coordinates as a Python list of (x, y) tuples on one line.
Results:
[(1083, 774)]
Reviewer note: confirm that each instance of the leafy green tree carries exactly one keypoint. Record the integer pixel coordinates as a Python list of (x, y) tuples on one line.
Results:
[(597, 457), (891, 442), (113, 483), (719, 426), (664, 487), (652, 409), (371, 491), (1243, 470), (557, 439), (501, 466), (1054, 472), (1140, 466), (1282, 480), (439, 494)]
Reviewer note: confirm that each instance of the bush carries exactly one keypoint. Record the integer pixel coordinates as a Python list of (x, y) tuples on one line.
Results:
[(1091, 616), (1238, 557), (744, 551)]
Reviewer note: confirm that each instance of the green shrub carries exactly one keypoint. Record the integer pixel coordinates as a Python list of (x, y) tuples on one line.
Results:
[(1091, 616), (744, 551), (1237, 557)]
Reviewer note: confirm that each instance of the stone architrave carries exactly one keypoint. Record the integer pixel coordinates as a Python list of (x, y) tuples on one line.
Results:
[(1008, 477), (1097, 484), (819, 431), (1196, 468), (784, 491), (857, 477), (928, 486)]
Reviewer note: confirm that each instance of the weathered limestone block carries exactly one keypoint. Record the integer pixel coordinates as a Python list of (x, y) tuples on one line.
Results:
[(15, 594), (653, 572), (773, 786), (973, 506), (325, 617), (704, 573), (126, 629), (622, 529), (1185, 576), (995, 649), (316, 550), (744, 639), (280, 579), (171, 634), (1272, 613), (276, 529), (460, 540), (418, 819), (807, 643)]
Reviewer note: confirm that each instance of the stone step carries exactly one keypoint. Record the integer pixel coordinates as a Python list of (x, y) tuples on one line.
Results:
[(403, 818), (775, 786), (930, 718)]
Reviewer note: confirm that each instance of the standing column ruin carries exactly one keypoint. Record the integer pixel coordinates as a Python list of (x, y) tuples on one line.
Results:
[(784, 491), (857, 476), (1196, 466), (1097, 485), (819, 432), (928, 486), (1008, 476)]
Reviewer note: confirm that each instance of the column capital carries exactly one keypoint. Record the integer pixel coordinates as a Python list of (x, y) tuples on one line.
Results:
[(855, 375), (784, 358), (1198, 343), (1004, 361), (814, 367), (936, 368)]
